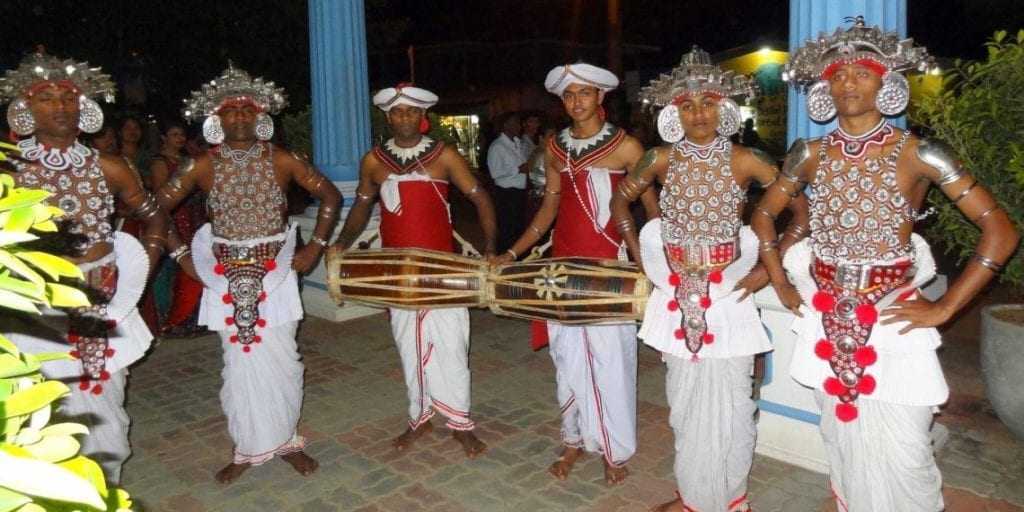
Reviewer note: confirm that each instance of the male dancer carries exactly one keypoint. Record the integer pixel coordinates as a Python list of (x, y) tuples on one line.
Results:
[(412, 173), (701, 260), (247, 260), (595, 365), (878, 383), (51, 103)]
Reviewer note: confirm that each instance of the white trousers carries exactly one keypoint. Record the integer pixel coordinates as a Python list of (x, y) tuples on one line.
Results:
[(595, 372), (262, 394), (434, 348), (712, 417), (883, 460)]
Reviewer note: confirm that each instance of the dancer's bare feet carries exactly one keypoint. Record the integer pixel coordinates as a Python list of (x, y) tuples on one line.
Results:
[(231, 472), (563, 466), (304, 464), (614, 475), (411, 435), (675, 505), (469, 442)]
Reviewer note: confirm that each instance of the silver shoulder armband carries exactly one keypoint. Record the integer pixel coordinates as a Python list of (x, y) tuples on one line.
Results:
[(798, 153), (940, 157)]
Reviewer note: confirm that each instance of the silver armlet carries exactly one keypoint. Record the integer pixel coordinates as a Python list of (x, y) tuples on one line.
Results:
[(940, 157), (147, 209), (798, 153)]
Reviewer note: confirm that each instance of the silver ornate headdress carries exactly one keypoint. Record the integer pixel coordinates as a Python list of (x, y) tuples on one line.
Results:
[(235, 84), (807, 64), (16, 85), (697, 74), (91, 82)]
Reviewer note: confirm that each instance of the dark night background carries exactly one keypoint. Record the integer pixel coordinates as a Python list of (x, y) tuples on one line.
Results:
[(169, 47)]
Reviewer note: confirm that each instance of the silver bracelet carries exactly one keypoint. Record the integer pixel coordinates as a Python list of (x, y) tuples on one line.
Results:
[(179, 253), (317, 240), (513, 253), (988, 263)]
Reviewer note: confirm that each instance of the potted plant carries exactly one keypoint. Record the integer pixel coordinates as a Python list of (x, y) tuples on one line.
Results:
[(980, 113), (40, 467)]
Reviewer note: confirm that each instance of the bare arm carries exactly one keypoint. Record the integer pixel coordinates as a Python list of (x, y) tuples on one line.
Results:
[(362, 206), (463, 179), (998, 240), (635, 185), (143, 206), (545, 215), (782, 192)]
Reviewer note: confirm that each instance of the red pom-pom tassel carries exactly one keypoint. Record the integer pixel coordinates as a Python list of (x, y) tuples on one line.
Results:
[(263, 296), (229, 320), (673, 305), (679, 334), (834, 387), (705, 302), (823, 302), (865, 356), (83, 383), (257, 339), (246, 349), (866, 385), (218, 269), (261, 323), (708, 338), (104, 375), (233, 338), (270, 265), (227, 298), (823, 349), (673, 279), (73, 338), (74, 354), (846, 412), (866, 314), (109, 352), (715, 276), (97, 389)]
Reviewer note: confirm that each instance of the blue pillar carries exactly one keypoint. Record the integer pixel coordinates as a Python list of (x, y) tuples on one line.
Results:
[(340, 89), (809, 17)]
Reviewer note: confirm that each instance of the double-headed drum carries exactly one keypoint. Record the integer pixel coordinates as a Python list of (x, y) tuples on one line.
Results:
[(405, 278), (569, 290)]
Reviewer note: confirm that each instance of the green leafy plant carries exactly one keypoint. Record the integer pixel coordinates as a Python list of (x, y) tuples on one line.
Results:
[(40, 467), (980, 113)]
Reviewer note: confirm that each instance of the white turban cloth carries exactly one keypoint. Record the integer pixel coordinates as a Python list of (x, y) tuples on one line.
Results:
[(580, 73), (385, 99)]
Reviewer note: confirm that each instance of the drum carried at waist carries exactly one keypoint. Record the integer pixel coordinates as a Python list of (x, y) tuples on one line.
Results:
[(406, 278), (569, 290)]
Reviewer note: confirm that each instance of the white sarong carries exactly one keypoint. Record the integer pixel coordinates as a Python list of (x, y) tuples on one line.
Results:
[(713, 421), (883, 461), (595, 372), (262, 391), (434, 348), (104, 413)]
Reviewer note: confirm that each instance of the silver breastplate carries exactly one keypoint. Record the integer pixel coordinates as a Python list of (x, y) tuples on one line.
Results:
[(245, 201), (857, 209), (701, 200)]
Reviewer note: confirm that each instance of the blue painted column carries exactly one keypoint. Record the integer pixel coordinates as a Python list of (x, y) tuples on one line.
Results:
[(809, 17), (340, 89)]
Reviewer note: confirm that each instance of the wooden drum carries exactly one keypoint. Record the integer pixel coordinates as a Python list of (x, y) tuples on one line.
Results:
[(405, 278), (569, 290)]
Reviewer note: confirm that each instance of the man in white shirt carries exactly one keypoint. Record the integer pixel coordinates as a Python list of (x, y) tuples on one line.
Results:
[(507, 165)]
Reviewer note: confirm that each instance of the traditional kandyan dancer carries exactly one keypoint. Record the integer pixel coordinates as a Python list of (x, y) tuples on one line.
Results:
[(247, 260), (412, 173), (878, 383), (701, 260), (51, 103), (595, 365)]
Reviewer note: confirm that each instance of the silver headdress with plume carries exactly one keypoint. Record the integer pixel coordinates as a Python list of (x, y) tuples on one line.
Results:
[(697, 74), (234, 84), (90, 82)]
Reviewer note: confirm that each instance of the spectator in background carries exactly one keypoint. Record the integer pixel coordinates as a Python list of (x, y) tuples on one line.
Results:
[(507, 164)]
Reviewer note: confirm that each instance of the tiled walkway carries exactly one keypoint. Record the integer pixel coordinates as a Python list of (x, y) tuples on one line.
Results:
[(355, 403)]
